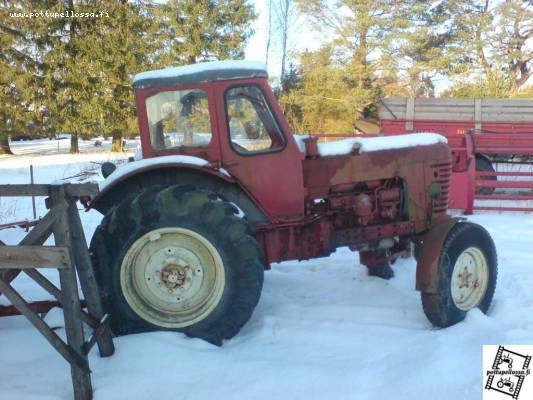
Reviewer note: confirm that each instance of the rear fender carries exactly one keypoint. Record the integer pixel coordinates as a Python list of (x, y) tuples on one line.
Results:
[(428, 261), (117, 187)]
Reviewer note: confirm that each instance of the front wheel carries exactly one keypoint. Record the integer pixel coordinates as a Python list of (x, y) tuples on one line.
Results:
[(466, 277)]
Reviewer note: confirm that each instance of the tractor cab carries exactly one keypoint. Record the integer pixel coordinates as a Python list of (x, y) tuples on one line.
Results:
[(225, 113)]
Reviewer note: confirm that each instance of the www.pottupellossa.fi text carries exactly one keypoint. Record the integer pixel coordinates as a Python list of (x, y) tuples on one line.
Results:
[(63, 14)]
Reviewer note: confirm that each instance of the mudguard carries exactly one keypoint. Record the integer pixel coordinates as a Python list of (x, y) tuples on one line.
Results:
[(132, 179), (122, 175), (428, 261)]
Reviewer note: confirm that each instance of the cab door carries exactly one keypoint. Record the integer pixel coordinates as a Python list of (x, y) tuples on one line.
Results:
[(258, 149)]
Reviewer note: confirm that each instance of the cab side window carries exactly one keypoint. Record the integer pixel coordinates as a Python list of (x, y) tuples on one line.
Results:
[(178, 118), (251, 124)]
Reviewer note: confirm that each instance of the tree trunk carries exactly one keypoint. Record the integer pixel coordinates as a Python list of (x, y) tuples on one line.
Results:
[(284, 37), (479, 44), (362, 59), (269, 31), (4, 145), (116, 144), (74, 146)]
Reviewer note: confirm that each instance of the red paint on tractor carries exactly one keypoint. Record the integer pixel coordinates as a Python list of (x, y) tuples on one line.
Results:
[(372, 202), (428, 260), (297, 204)]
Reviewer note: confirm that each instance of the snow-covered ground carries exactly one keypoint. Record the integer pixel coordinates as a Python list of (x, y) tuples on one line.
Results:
[(322, 329), (38, 147)]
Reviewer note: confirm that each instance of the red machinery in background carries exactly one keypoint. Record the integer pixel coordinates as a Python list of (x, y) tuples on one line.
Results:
[(492, 144)]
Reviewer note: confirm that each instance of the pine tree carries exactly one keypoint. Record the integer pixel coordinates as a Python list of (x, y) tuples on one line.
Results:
[(8, 93), (79, 70), (202, 30), (324, 99), (119, 47), (480, 45), (82, 66), (61, 54), (67, 84), (361, 31), (19, 89)]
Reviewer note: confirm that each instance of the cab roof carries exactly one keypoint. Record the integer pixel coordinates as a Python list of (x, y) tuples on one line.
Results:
[(201, 72)]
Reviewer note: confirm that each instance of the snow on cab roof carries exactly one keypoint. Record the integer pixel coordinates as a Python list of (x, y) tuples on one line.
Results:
[(201, 72)]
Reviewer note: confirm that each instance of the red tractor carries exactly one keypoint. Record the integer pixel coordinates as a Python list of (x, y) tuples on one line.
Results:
[(224, 189)]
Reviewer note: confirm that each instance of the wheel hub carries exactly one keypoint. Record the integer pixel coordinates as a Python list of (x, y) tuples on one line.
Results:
[(465, 278), (469, 279), (172, 277)]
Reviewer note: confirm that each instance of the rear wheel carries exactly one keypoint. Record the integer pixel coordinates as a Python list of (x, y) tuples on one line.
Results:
[(172, 277), (467, 274), (483, 164), (177, 258)]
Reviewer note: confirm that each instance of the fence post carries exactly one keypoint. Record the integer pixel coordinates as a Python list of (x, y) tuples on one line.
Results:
[(88, 283), (81, 380), (32, 197)]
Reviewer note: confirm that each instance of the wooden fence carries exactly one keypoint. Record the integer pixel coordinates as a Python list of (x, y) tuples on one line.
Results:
[(69, 256)]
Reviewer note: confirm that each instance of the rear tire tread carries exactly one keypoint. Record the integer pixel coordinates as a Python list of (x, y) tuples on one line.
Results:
[(157, 206)]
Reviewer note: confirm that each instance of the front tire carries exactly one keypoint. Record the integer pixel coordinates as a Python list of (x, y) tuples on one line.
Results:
[(467, 274), (179, 259)]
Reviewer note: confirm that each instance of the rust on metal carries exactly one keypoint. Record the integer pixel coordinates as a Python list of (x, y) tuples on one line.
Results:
[(432, 242), (312, 204)]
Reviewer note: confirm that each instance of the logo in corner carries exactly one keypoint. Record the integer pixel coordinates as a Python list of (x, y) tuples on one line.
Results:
[(508, 372)]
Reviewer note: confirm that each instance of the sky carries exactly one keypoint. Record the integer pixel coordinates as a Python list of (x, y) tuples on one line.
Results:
[(256, 47), (300, 39)]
